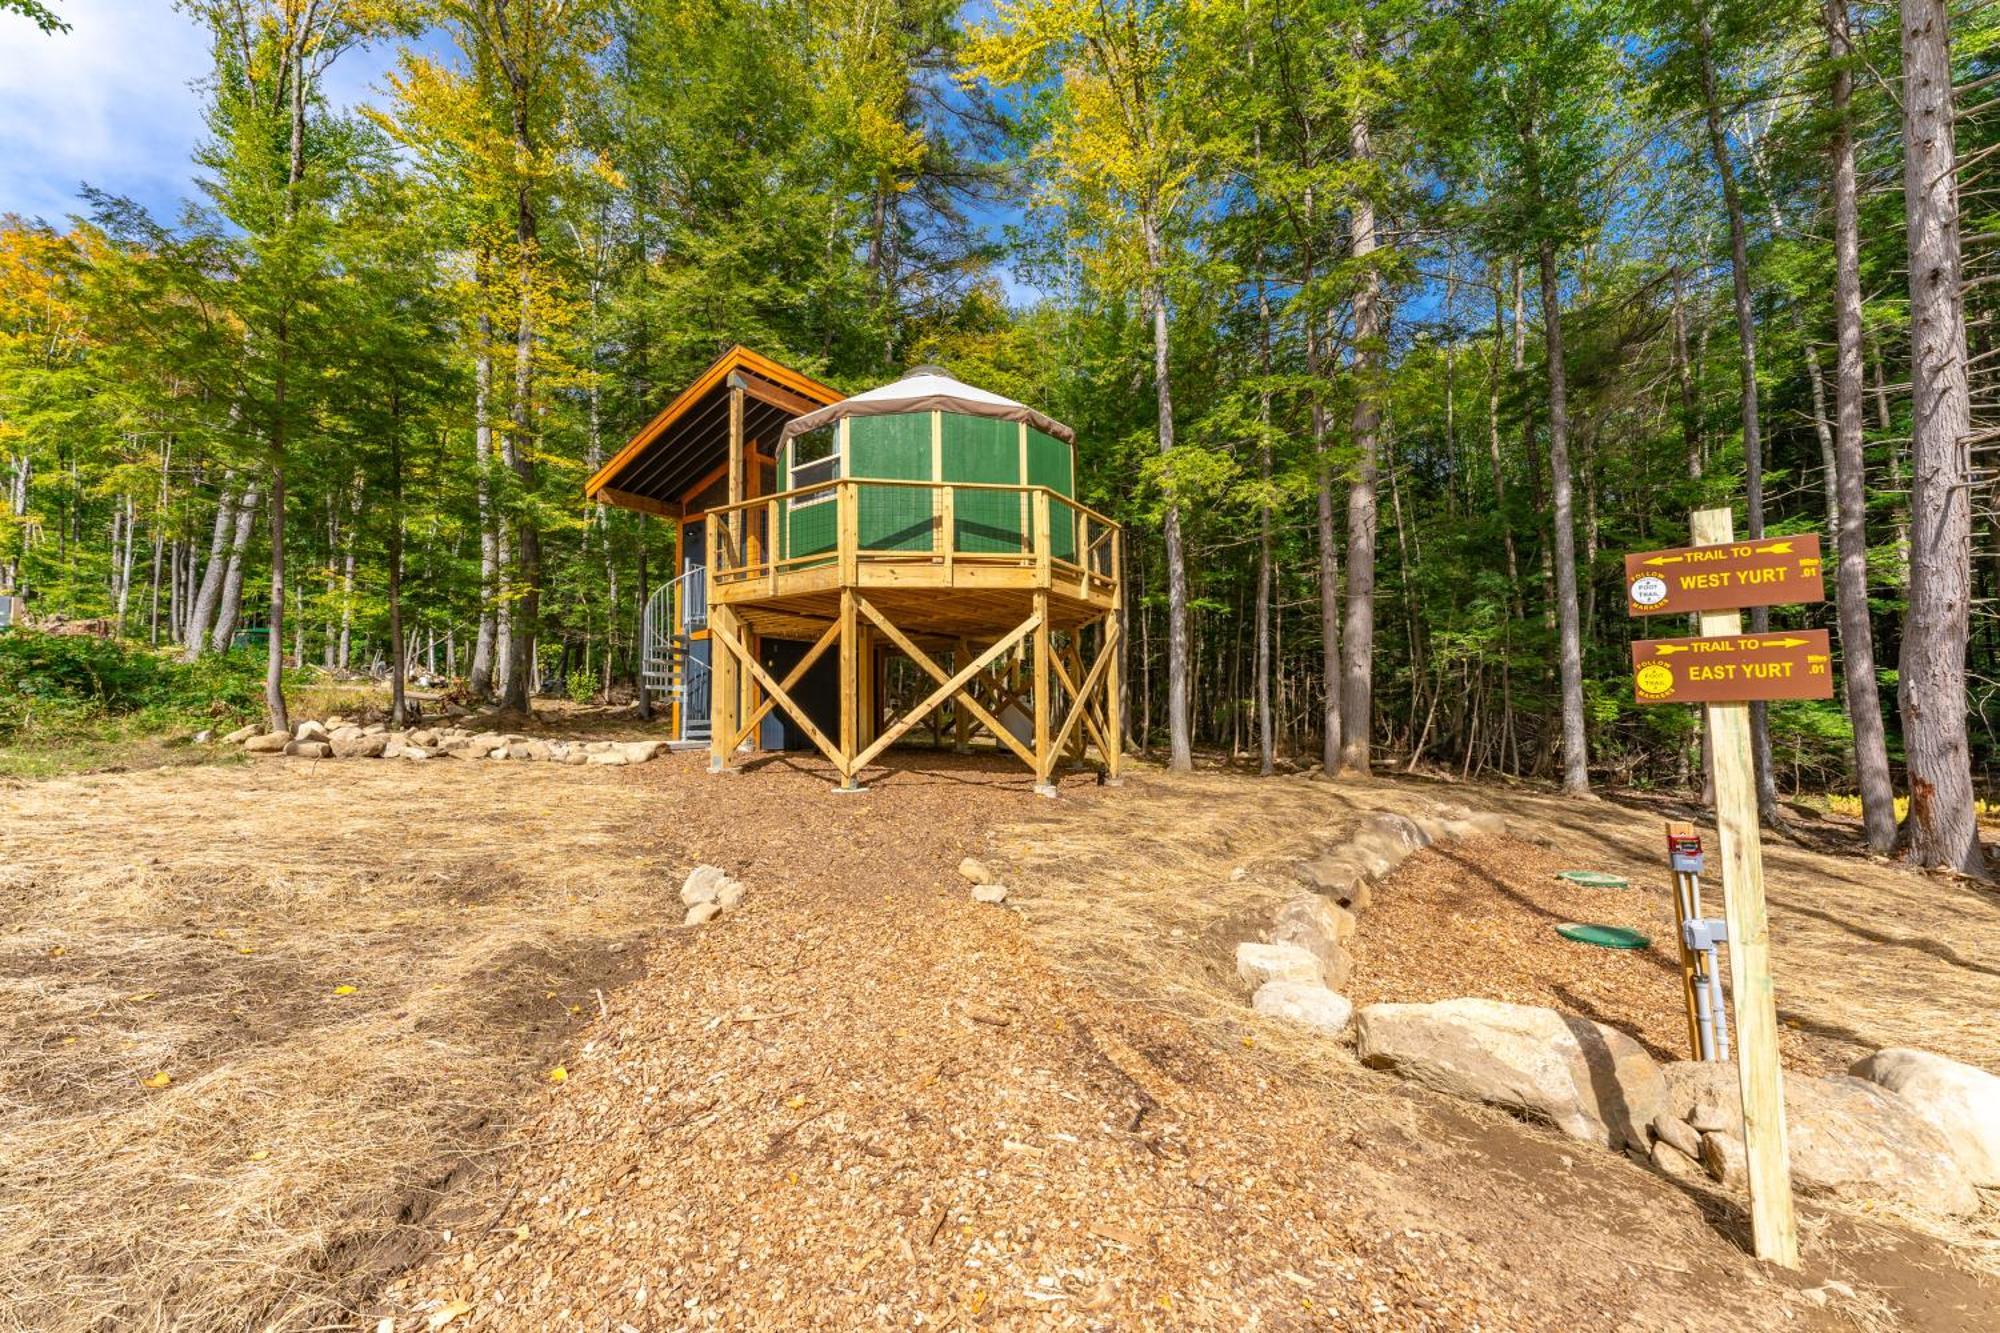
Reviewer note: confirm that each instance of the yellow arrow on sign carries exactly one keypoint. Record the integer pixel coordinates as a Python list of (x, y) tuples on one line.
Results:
[(1768, 548), (1664, 648), (1779, 643)]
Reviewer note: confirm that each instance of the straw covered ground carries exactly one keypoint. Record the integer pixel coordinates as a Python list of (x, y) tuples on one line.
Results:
[(860, 1099)]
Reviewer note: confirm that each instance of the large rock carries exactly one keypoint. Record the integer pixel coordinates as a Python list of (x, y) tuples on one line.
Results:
[(241, 734), (1317, 926), (1305, 1003), (309, 730), (269, 742), (1960, 1101), (641, 752), (1258, 964), (609, 758), (702, 884), (1484, 824), (1342, 876), (352, 744), (1848, 1138), (309, 750), (1396, 835), (977, 871), (1590, 1081)]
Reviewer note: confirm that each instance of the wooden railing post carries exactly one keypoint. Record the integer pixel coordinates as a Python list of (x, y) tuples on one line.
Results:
[(774, 545), (1044, 546), (948, 528), (847, 519)]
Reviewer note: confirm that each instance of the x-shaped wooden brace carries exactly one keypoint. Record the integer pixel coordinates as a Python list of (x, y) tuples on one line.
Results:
[(781, 696), (1079, 709), (950, 687)]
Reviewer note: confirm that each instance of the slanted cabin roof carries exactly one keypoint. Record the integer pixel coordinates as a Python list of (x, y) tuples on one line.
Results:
[(689, 439), (929, 389)]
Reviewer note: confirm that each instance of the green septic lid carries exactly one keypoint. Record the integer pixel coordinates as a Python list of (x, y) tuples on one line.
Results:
[(1605, 937), (1593, 879)]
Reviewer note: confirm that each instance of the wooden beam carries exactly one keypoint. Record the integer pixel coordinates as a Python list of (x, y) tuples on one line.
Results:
[(791, 680), (923, 659), (1045, 763), (850, 685), (645, 504), (1114, 643), (784, 701), (724, 689), (961, 717), (781, 398), (736, 462), (1773, 1226)]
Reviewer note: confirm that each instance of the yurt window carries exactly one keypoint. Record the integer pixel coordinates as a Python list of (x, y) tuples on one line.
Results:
[(815, 459)]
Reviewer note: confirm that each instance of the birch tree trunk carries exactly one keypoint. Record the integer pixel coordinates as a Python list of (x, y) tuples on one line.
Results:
[(519, 687), (1358, 674), (201, 613), (481, 672), (231, 604), (1943, 827), (1576, 761), (1857, 641), (1180, 747)]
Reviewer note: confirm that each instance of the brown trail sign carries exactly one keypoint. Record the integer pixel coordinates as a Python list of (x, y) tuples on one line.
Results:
[(1727, 576), (1738, 668), (1723, 670)]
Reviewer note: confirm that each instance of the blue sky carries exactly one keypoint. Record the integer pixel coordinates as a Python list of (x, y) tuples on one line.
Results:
[(114, 102)]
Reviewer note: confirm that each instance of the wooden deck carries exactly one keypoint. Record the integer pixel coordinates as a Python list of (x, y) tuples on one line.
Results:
[(1010, 583)]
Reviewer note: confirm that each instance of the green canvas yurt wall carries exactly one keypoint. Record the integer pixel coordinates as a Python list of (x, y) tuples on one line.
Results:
[(969, 449)]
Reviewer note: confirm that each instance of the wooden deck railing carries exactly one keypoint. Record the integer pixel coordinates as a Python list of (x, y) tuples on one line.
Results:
[(851, 522)]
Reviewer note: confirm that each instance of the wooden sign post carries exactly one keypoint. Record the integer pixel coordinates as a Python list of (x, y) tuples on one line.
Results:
[(1773, 1227)]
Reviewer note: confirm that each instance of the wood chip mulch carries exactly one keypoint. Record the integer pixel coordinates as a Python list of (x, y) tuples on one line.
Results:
[(863, 1100)]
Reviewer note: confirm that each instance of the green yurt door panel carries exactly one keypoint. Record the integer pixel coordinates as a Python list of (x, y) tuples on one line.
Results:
[(983, 449), (893, 518), (1049, 464)]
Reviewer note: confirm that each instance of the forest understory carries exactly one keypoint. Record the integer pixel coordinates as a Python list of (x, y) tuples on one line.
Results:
[(285, 1040)]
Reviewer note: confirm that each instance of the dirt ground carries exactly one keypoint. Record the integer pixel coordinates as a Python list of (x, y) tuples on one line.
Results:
[(861, 1099)]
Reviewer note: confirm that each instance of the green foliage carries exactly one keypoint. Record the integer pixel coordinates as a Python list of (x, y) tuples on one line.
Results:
[(58, 683), (581, 685)]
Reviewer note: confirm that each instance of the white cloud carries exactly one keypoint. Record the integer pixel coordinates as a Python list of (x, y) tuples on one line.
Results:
[(114, 102)]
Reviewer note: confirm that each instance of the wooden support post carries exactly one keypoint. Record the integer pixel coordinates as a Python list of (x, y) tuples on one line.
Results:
[(724, 690), (850, 689), (1772, 1224), (961, 716), (736, 464), (1114, 679), (1045, 760)]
